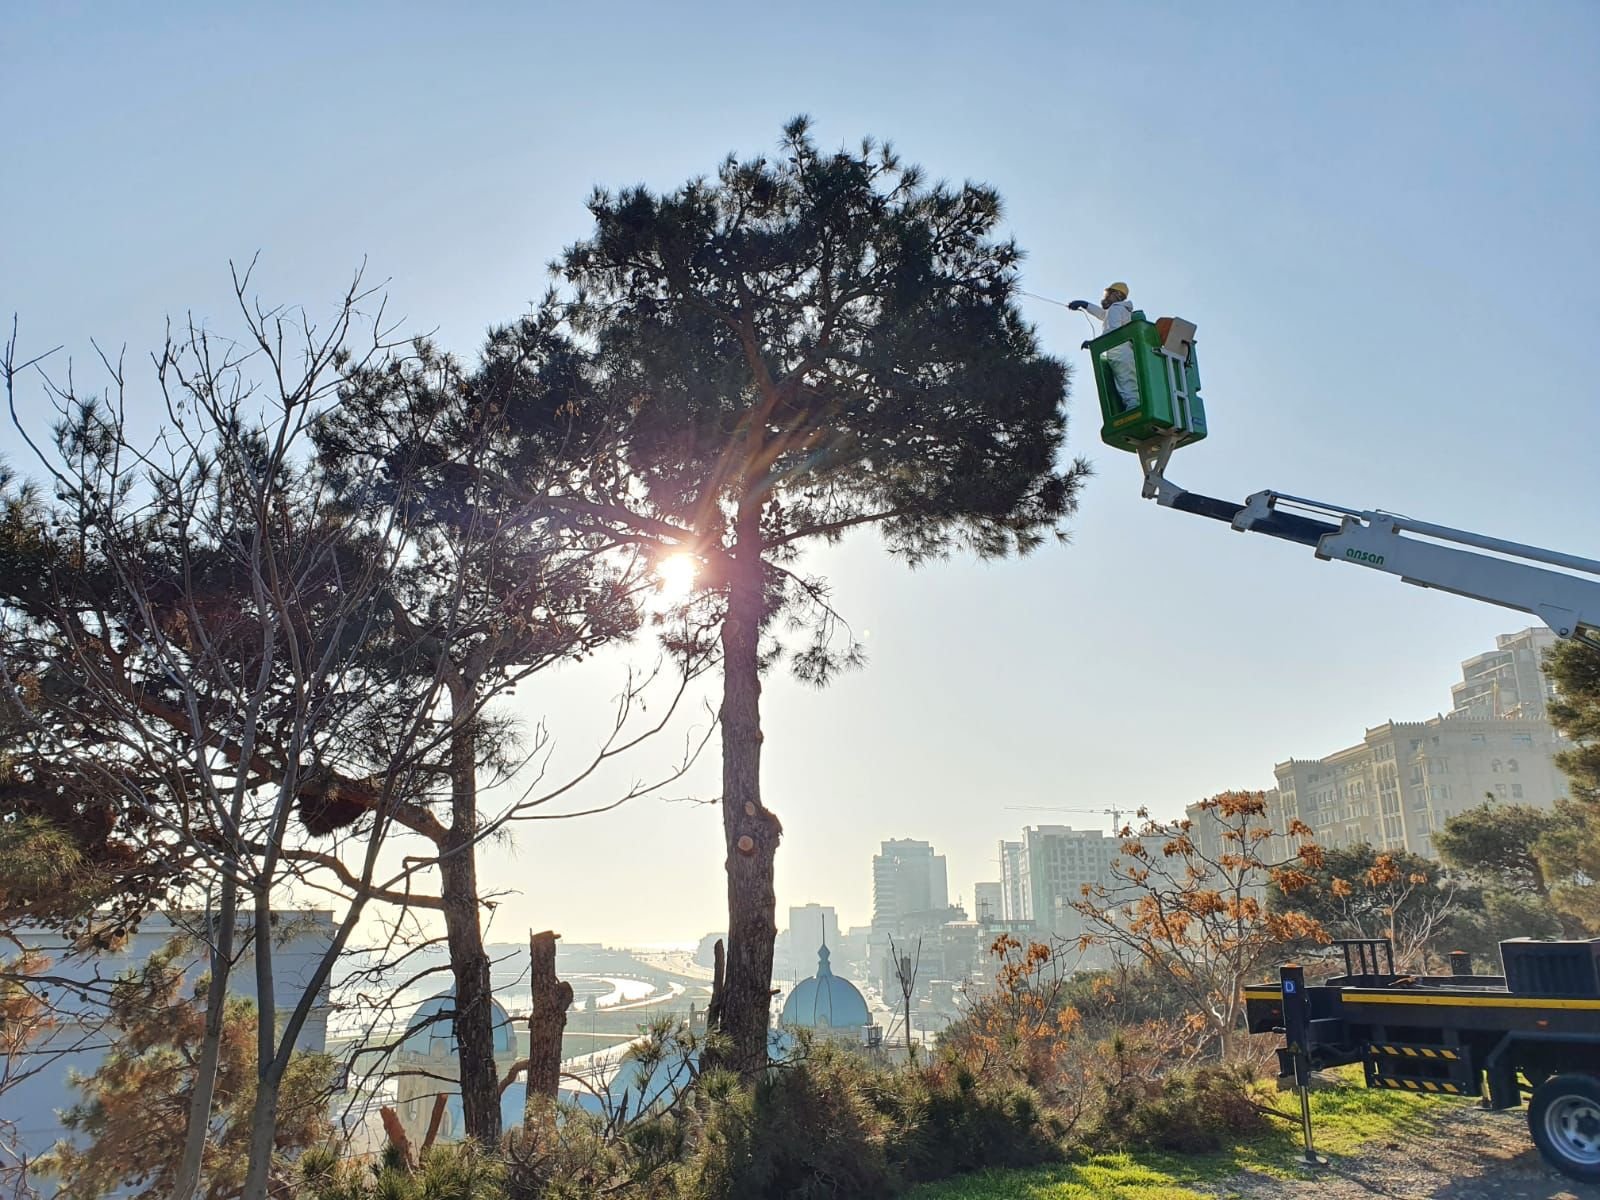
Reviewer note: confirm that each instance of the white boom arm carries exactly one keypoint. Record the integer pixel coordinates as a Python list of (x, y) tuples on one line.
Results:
[(1432, 556)]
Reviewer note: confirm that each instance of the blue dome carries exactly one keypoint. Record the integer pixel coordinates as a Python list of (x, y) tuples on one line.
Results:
[(825, 1001), (431, 1028)]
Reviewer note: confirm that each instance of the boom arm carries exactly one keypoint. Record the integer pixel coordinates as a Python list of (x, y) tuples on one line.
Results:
[(1432, 556)]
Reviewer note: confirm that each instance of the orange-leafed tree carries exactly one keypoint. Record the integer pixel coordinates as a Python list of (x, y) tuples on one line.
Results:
[(1188, 899), (1020, 1022)]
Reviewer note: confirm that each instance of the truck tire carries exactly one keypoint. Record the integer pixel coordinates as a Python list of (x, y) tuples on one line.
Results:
[(1564, 1119)]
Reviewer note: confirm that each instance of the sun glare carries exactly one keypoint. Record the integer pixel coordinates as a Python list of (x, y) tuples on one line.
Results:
[(676, 574)]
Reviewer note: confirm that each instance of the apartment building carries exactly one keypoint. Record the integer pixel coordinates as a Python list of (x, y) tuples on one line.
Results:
[(1507, 681), (1398, 785), (908, 879)]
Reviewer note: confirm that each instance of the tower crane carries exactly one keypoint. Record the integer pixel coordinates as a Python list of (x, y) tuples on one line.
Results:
[(1171, 414)]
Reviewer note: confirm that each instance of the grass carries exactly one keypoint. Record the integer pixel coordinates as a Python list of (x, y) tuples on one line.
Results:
[(1343, 1120)]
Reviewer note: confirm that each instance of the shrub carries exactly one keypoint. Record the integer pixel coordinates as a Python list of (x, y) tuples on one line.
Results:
[(945, 1120), (581, 1155), (1190, 1111), (806, 1130), (445, 1173)]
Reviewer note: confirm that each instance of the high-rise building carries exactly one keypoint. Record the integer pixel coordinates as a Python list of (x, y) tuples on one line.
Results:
[(1508, 681), (1013, 904), (812, 926), (910, 902), (908, 878), (987, 904), (1057, 862)]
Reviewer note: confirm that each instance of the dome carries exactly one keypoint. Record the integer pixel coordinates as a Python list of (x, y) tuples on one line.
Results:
[(431, 1027), (825, 1001)]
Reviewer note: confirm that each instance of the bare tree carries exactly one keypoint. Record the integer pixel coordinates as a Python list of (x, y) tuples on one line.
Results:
[(905, 974), (189, 648)]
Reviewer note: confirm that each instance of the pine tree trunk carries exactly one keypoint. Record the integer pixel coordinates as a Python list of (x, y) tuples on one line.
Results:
[(469, 961), (751, 831), (547, 1021)]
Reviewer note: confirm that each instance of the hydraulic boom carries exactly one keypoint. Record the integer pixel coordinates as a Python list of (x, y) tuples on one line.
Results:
[(1432, 556)]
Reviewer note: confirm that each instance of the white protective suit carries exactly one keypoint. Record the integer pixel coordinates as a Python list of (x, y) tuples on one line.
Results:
[(1120, 359)]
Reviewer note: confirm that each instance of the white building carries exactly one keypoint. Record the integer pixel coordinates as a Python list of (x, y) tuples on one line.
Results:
[(428, 1070), (908, 879), (1057, 863), (1396, 788), (810, 926), (77, 1044), (1011, 892)]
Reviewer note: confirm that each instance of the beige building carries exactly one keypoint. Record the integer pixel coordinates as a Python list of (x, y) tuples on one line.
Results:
[(1509, 680), (1404, 779), (1399, 785)]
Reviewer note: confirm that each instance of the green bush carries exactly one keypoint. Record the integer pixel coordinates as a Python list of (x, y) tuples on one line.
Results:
[(445, 1173), (832, 1124), (1192, 1111), (807, 1130), (944, 1120)]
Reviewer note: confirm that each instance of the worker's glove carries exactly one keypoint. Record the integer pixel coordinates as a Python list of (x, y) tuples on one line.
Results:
[(1077, 304)]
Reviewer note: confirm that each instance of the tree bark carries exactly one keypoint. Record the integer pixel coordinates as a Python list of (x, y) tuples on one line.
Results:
[(435, 1120), (546, 1023), (469, 961), (198, 1132), (719, 965), (396, 1133), (751, 831), (269, 1073)]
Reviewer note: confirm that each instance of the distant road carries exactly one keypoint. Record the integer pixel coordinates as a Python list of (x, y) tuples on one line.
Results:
[(676, 962)]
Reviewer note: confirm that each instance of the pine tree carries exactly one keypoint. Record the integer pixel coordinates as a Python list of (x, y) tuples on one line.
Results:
[(1572, 849), (766, 359), (132, 1117)]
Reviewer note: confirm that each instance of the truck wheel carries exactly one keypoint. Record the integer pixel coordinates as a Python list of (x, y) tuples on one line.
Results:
[(1564, 1119)]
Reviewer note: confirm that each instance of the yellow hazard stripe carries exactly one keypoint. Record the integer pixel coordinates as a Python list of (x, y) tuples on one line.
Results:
[(1493, 1001), (1417, 1085), (1470, 1001), (1415, 1051)]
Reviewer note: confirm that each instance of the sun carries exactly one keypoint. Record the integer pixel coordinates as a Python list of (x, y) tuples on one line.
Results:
[(676, 575)]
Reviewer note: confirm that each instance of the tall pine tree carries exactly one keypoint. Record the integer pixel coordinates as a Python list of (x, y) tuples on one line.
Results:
[(799, 346)]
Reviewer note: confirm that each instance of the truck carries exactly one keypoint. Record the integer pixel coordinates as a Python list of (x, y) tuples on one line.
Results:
[(1533, 1030)]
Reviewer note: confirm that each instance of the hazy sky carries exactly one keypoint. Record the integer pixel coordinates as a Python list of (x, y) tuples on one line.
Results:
[(1381, 216)]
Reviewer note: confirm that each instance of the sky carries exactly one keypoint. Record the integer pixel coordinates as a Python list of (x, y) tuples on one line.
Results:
[(1380, 216)]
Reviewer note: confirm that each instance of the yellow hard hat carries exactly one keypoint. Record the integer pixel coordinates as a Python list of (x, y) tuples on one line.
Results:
[(1118, 287)]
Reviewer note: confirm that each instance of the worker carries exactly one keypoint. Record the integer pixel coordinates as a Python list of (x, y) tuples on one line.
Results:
[(1113, 312)]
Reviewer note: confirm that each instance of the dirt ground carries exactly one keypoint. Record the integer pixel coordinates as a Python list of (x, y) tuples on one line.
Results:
[(1470, 1155)]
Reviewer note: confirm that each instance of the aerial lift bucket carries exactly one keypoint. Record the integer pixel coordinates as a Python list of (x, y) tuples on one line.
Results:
[(1156, 362)]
